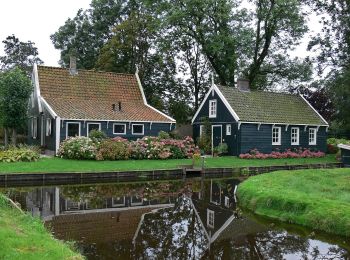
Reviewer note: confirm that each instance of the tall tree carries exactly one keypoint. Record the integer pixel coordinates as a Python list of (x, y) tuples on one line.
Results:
[(19, 54), (15, 89), (333, 47), (238, 42)]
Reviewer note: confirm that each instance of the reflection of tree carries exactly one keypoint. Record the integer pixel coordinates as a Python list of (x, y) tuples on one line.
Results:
[(275, 245), (96, 195), (171, 233)]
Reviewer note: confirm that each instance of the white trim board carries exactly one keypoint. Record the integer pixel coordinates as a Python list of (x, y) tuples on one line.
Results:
[(307, 102), (37, 86), (145, 101), (48, 107), (223, 99), (112, 120)]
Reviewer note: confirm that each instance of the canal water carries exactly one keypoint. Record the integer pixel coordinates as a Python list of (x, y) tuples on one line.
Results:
[(184, 219)]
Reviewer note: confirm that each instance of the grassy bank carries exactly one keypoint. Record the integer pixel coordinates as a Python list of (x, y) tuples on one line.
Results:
[(48, 165), (319, 199), (24, 237)]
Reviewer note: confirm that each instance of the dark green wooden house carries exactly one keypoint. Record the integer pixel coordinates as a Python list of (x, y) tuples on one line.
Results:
[(262, 120)]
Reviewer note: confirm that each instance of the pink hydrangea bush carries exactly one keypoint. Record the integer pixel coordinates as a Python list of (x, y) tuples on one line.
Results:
[(150, 147), (295, 153)]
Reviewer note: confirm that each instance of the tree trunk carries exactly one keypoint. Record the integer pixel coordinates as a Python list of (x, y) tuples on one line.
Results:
[(6, 137), (14, 137)]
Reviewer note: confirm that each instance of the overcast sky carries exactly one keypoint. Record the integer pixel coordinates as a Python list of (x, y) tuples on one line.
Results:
[(36, 20)]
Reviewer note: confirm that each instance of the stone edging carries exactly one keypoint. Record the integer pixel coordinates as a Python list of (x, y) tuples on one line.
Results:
[(26, 179)]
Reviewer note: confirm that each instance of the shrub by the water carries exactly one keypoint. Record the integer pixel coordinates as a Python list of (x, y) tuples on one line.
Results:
[(295, 153), (19, 154), (121, 149), (80, 148), (110, 149)]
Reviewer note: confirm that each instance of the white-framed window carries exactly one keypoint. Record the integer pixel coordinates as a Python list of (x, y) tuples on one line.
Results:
[(294, 136), (138, 129), (210, 218), (93, 126), (119, 129), (118, 202), (227, 202), (72, 129), (201, 130), (312, 136), (48, 126), (212, 108), (34, 127), (276, 135), (228, 129)]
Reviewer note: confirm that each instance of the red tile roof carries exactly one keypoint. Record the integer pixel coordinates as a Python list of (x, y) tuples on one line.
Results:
[(91, 95)]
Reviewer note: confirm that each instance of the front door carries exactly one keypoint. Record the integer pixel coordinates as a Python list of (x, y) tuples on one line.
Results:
[(216, 135)]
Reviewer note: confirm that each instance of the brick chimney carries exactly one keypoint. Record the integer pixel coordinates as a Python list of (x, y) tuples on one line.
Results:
[(243, 85), (73, 65)]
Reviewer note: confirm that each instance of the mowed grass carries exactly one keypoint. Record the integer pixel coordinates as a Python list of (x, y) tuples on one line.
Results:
[(47, 165), (25, 237), (319, 199)]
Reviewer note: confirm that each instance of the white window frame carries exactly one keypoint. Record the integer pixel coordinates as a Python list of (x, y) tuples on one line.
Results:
[(34, 127), (201, 130), (278, 142), (297, 137), (143, 129), (92, 123), (72, 123), (213, 112), (48, 126), (227, 202), (119, 133), (314, 131), (228, 129), (210, 218)]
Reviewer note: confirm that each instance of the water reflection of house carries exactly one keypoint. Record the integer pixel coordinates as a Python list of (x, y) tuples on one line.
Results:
[(50, 202), (215, 210)]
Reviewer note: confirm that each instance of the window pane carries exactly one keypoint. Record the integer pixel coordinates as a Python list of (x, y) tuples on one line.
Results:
[(93, 127), (73, 130), (137, 129), (119, 129)]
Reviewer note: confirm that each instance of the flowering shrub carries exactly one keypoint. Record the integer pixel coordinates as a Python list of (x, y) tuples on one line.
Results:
[(121, 149), (297, 153), (157, 148), (332, 144), (79, 148), (112, 149)]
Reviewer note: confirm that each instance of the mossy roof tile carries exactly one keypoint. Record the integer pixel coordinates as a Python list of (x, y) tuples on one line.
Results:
[(91, 94), (270, 107)]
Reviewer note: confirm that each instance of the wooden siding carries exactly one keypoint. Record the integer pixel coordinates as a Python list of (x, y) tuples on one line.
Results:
[(223, 117), (251, 137), (154, 131)]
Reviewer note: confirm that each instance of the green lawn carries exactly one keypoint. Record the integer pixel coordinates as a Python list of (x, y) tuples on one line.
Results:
[(319, 199), (47, 165), (25, 237)]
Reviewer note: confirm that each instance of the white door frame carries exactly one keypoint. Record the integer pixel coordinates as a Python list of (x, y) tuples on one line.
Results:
[(212, 137)]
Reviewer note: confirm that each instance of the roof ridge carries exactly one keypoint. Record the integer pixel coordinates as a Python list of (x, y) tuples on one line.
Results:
[(87, 70), (259, 91)]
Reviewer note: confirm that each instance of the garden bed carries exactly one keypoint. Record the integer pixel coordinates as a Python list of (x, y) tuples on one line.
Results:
[(319, 199), (25, 237)]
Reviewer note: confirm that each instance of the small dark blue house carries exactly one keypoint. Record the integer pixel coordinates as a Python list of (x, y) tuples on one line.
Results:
[(71, 102), (267, 121)]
